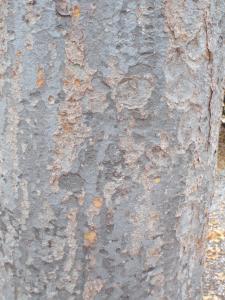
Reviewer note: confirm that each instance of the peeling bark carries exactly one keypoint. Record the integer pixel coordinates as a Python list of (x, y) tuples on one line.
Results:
[(109, 124)]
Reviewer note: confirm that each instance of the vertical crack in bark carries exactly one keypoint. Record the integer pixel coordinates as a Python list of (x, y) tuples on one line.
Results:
[(210, 115), (210, 67)]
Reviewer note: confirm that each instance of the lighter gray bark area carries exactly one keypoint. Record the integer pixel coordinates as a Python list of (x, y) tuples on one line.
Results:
[(109, 123)]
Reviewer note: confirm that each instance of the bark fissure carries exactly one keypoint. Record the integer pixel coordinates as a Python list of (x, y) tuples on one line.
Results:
[(210, 68)]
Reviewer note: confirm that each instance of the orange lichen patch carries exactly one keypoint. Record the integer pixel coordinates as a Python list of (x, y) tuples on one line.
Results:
[(215, 235), (97, 202), (76, 11), (157, 180), (90, 238), (40, 81)]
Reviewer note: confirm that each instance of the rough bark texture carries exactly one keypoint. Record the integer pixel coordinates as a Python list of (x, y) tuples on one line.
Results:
[(214, 273), (109, 121)]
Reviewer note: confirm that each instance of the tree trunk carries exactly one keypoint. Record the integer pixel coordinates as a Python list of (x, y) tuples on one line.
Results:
[(109, 123)]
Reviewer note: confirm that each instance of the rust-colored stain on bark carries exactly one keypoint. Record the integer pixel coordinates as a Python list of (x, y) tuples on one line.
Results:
[(40, 81), (97, 202), (90, 238), (76, 11), (77, 82)]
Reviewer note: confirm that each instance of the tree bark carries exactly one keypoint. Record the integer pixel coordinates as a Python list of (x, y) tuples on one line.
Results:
[(109, 122)]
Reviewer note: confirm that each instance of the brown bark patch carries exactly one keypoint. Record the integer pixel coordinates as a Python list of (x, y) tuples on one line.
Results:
[(97, 202), (40, 81)]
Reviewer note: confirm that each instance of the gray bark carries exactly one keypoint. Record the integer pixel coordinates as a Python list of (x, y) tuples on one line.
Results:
[(109, 123)]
